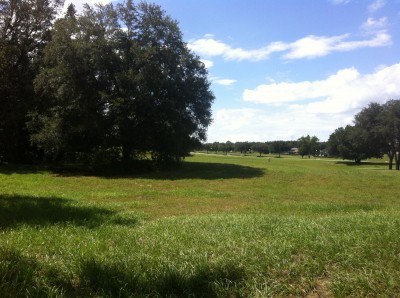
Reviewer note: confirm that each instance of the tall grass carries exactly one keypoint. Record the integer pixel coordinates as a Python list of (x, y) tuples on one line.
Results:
[(217, 227)]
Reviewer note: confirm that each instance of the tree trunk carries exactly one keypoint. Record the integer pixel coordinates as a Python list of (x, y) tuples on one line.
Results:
[(126, 152), (391, 156), (396, 157)]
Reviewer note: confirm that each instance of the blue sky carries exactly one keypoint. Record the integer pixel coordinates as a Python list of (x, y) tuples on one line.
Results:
[(285, 68)]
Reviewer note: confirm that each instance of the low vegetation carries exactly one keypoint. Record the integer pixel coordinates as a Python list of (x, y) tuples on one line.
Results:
[(220, 226)]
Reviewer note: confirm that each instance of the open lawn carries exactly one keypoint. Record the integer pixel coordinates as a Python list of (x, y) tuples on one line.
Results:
[(220, 226)]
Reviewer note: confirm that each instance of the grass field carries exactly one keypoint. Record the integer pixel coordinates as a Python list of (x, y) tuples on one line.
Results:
[(220, 226)]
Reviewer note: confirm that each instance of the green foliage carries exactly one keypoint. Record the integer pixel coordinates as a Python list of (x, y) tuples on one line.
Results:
[(261, 148), (24, 31), (308, 146), (71, 81), (349, 143), (389, 131), (112, 78), (375, 133)]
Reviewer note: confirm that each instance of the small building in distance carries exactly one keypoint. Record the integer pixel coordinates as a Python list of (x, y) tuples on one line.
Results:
[(294, 151)]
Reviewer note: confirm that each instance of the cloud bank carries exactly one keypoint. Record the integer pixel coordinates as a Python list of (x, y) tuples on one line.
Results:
[(345, 89), (307, 107), (308, 47)]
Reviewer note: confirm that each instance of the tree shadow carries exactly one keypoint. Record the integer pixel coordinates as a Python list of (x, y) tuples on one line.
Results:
[(17, 210), (208, 281), (207, 171), (363, 163), (186, 170), (18, 275)]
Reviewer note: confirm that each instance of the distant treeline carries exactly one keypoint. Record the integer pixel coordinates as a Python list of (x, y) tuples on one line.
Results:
[(305, 146), (375, 134)]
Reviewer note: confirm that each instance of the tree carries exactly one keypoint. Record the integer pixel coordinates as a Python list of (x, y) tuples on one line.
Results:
[(389, 131), (304, 146), (308, 146), (242, 147), (349, 143), (335, 140), (277, 147), (73, 77), (368, 123), (261, 148), (24, 31), (136, 87), (229, 146), (375, 132)]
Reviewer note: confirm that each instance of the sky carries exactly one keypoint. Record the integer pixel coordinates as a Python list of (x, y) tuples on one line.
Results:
[(282, 69)]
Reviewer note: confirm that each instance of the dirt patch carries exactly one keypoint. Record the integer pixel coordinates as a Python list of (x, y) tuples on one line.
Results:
[(321, 290)]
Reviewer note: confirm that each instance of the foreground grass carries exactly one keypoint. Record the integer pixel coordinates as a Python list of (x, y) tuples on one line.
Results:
[(218, 227)]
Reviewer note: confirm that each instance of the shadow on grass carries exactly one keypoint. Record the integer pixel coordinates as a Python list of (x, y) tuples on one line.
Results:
[(209, 281), (207, 171), (43, 211), (24, 276), (187, 170), (9, 169), (18, 276), (363, 163)]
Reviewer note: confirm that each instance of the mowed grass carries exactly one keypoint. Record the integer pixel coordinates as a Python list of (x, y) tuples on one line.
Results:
[(220, 226)]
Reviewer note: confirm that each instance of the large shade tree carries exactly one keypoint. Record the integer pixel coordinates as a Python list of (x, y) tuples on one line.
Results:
[(25, 27), (375, 132), (71, 81), (121, 77)]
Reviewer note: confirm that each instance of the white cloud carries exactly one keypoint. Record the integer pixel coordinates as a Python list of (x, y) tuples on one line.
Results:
[(374, 26), (210, 47), (307, 47), (224, 82), (314, 46), (246, 124), (376, 5), (318, 46), (207, 63), (381, 39), (242, 117), (342, 92), (377, 27), (309, 107), (291, 92)]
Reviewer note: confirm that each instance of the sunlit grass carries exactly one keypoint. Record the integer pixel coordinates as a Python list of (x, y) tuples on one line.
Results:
[(217, 227)]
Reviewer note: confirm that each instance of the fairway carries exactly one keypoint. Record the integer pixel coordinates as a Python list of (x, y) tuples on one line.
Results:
[(219, 226)]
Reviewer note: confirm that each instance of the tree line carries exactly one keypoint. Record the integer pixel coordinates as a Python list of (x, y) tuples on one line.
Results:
[(305, 146), (376, 132), (116, 82)]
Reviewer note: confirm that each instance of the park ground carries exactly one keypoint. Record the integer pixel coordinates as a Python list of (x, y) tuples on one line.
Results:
[(219, 226)]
